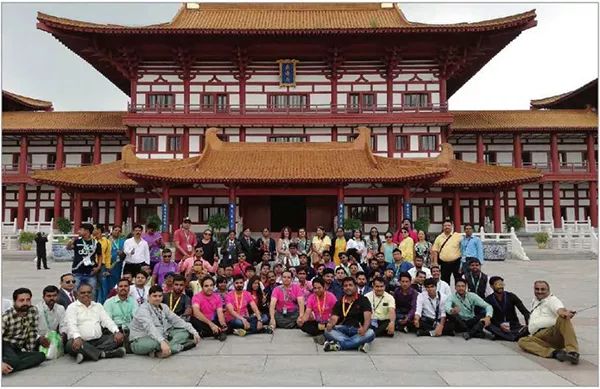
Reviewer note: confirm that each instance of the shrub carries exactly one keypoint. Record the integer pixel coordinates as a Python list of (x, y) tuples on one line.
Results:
[(422, 224), (352, 224), (218, 222), (541, 237), (26, 237), (156, 220), (514, 221), (64, 225)]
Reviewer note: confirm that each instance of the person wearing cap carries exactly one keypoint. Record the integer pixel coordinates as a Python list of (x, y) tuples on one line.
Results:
[(505, 323), (184, 240)]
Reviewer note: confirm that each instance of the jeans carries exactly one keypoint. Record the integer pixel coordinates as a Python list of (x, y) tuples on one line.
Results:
[(348, 337), (105, 285), (237, 323), (20, 360), (89, 279), (115, 272)]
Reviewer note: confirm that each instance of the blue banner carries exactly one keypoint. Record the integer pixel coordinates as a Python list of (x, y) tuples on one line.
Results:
[(407, 207), (341, 214), (165, 217), (231, 216)]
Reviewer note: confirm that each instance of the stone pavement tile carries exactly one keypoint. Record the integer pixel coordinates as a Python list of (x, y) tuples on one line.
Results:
[(579, 377), (458, 346), (206, 347), (255, 338), (505, 378), (593, 359), (339, 378), (386, 346), (35, 378), (507, 362), (306, 348), (103, 378), (331, 361), (254, 363), (295, 335), (290, 376), (67, 363), (426, 363)]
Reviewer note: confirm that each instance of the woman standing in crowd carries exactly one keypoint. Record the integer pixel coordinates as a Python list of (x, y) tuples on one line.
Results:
[(283, 245), (154, 240), (387, 248), (358, 243), (373, 243), (209, 247), (407, 246), (320, 243), (340, 245), (423, 248), (303, 242)]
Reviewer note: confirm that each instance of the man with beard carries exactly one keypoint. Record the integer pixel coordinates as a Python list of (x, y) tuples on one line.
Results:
[(461, 313), (207, 312), (177, 301), (50, 313), (440, 285), (121, 307), (157, 332), (331, 285), (318, 311), (505, 323), (430, 315), (419, 281), (20, 333), (406, 303), (238, 317), (477, 281), (348, 326), (362, 284)]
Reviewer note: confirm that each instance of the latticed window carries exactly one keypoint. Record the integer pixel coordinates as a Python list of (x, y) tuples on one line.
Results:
[(428, 142), (212, 102), (287, 139), (402, 143), (364, 213), (148, 143), (294, 101), (162, 100), (173, 143), (414, 100)]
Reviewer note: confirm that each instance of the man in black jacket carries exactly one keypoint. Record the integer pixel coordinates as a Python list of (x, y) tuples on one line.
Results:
[(505, 323), (249, 246), (477, 281), (40, 250)]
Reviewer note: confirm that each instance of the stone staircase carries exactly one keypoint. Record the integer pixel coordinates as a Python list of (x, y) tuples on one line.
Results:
[(536, 254)]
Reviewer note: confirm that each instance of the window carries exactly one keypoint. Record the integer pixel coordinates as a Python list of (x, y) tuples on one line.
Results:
[(161, 100), (526, 157), (206, 212), (425, 212), (364, 213), (562, 158), (87, 159), (174, 143), (148, 143), (145, 211), (361, 101), (48, 214), (458, 155), (287, 139), (428, 142), (415, 100), (214, 102), (529, 213), (490, 157), (285, 101), (402, 143), (51, 161)]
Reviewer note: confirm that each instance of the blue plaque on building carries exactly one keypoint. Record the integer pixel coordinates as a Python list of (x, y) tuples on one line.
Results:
[(407, 211), (164, 217), (231, 216), (287, 72), (340, 214)]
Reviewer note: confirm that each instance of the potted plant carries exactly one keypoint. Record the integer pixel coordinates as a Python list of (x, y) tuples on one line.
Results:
[(352, 224), (513, 221), (64, 225), (218, 222), (26, 240), (541, 239), (422, 224), (156, 220)]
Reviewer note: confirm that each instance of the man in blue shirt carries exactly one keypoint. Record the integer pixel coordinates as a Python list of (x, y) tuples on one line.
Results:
[(400, 265), (461, 314), (470, 246)]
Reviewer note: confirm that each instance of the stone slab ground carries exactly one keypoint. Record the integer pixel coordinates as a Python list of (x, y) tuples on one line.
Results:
[(289, 358)]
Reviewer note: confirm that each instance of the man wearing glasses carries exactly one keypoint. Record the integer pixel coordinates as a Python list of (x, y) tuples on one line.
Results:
[(67, 294), (162, 268)]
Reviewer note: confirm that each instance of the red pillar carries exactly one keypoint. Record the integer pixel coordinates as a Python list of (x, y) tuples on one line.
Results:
[(60, 151), (97, 150), (390, 93), (36, 216), (443, 99), (242, 134), (57, 203), (176, 212), (95, 211), (391, 144), (242, 92), (541, 197), (591, 153), (481, 212), (185, 142), (520, 202), (518, 163), (77, 212), (471, 212), (497, 216), (457, 211), (165, 201), (594, 203), (186, 94), (23, 155), (398, 211), (576, 201), (21, 206), (480, 148), (506, 206), (554, 153), (556, 203), (119, 209)]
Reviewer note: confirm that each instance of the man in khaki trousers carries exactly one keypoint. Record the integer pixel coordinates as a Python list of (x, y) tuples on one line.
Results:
[(551, 331)]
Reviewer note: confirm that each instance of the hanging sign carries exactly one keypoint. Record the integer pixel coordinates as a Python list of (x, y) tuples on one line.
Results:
[(287, 72)]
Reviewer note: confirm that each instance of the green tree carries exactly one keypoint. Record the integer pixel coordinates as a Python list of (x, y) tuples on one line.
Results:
[(64, 225)]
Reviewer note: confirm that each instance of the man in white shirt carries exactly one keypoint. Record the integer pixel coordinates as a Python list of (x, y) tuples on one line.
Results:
[(430, 314), (84, 320), (50, 313), (418, 262), (551, 330), (136, 251), (440, 285)]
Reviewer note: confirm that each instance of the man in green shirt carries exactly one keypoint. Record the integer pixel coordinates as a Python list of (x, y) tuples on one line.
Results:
[(122, 307), (460, 312)]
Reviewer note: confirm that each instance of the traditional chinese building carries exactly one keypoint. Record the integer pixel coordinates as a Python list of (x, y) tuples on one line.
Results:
[(299, 114)]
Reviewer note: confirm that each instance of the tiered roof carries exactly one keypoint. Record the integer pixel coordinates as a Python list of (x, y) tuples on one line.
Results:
[(14, 102), (578, 98), (277, 163), (64, 122)]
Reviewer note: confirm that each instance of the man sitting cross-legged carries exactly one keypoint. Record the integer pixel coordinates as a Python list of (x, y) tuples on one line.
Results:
[(430, 314), (287, 303), (505, 323), (383, 320), (461, 315), (207, 312), (238, 317), (121, 307), (318, 311), (348, 327), (406, 302), (157, 331), (84, 322)]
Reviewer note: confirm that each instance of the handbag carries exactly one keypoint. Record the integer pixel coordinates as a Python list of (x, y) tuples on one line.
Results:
[(55, 350)]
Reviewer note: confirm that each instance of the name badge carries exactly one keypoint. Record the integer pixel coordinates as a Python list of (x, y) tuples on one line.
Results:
[(189, 247)]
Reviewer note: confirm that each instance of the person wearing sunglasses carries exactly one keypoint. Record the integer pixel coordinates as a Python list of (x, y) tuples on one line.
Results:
[(388, 247), (67, 294), (167, 265), (209, 247)]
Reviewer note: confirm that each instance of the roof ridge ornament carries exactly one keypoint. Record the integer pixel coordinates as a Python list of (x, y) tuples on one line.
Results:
[(362, 143)]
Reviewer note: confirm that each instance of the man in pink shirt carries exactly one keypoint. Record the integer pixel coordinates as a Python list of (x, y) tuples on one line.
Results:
[(318, 311), (287, 303), (207, 312), (406, 223), (184, 240), (240, 267), (238, 317)]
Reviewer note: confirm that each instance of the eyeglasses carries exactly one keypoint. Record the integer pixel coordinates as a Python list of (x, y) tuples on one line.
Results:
[(89, 292), (207, 234), (388, 236), (166, 256), (69, 281)]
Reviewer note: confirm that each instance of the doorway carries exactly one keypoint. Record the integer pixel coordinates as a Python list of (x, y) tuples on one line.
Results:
[(288, 211)]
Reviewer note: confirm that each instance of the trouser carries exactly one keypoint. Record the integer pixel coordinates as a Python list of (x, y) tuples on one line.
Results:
[(516, 332), (20, 360), (449, 268), (91, 349), (204, 329), (176, 337), (116, 271), (286, 321), (545, 341), (473, 326), (380, 328), (428, 324), (402, 316), (41, 259), (252, 320), (89, 279), (105, 285), (348, 337), (133, 268), (312, 328)]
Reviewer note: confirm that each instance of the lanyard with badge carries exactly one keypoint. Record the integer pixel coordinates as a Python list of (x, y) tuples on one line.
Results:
[(345, 311), (475, 284), (375, 322), (171, 307), (238, 303), (286, 299), (187, 240), (435, 308), (321, 309)]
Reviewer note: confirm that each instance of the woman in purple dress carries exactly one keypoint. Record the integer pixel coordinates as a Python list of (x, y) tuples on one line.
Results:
[(154, 240)]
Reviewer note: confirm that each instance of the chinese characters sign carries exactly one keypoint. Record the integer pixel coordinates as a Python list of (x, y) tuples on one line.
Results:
[(287, 72)]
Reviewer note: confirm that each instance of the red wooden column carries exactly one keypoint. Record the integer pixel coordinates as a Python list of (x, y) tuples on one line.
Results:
[(165, 214), (23, 155), (554, 153), (186, 93), (21, 206), (443, 94), (95, 211), (176, 212), (576, 200), (391, 144), (390, 92), (481, 212), (594, 203), (541, 189), (480, 148), (76, 212), (456, 211), (399, 211), (497, 215), (591, 154), (97, 150), (518, 163), (60, 161), (506, 205), (185, 142), (556, 203), (119, 209)]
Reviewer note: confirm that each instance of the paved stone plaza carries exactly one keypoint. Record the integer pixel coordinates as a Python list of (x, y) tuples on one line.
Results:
[(289, 358)]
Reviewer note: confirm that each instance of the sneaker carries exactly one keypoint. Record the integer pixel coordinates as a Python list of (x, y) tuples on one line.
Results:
[(573, 357), (239, 332), (190, 344), (405, 329), (268, 330), (364, 348), (79, 358), (118, 353), (319, 339), (222, 336), (466, 335), (561, 355), (421, 332), (331, 346)]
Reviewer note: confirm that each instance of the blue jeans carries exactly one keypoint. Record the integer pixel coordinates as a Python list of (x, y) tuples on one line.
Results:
[(115, 273), (348, 337), (237, 323), (89, 279), (105, 285)]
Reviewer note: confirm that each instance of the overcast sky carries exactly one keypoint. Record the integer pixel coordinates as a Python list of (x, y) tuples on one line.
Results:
[(558, 55)]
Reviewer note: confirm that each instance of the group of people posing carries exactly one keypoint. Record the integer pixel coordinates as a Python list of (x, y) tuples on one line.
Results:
[(342, 292)]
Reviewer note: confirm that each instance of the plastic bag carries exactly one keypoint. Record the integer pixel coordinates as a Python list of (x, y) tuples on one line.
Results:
[(56, 347)]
